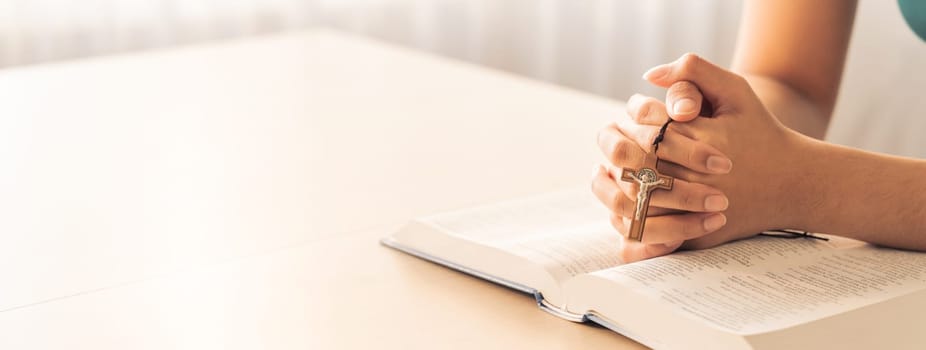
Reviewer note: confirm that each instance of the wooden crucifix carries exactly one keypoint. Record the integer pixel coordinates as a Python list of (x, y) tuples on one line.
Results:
[(649, 179)]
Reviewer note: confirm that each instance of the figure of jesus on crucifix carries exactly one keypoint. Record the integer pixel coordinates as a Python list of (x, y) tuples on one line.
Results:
[(649, 180)]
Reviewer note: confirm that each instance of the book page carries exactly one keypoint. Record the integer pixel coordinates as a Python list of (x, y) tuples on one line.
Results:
[(565, 232), (764, 284), (572, 252)]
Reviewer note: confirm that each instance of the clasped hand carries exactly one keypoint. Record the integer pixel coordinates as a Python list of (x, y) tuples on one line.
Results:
[(732, 170)]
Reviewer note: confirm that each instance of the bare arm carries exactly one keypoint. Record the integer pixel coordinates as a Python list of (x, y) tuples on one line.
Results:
[(872, 197), (793, 52)]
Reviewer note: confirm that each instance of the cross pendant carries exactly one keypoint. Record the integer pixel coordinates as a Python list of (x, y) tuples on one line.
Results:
[(649, 179)]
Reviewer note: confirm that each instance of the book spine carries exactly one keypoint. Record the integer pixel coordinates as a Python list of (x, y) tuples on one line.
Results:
[(557, 311)]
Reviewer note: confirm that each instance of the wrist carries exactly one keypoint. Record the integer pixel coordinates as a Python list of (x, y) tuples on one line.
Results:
[(804, 181)]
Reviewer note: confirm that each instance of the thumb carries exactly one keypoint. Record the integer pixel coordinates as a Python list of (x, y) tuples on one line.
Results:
[(716, 84)]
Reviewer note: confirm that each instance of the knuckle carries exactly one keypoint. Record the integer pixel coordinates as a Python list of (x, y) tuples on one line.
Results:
[(690, 58), (740, 80), (606, 139), (692, 156), (642, 111), (689, 63), (689, 201), (620, 151), (692, 227), (620, 204), (640, 106), (681, 129), (646, 108)]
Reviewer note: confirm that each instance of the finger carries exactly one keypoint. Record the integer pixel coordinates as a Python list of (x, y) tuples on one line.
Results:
[(681, 227), (629, 190), (609, 193), (642, 135), (631, 251), (672, 228), (618, 148), (684, 100), (628, 195), (664, 167), (646, 110), (629, 145), (695, 155), (714, 82), (688, 196), (684, 196), (691, 197), (679, 172)]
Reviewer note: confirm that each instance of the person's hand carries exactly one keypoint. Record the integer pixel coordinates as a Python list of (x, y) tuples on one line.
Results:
[(766, 153), (690, 210)]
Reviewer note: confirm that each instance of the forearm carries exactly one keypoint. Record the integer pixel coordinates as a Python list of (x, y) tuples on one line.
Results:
[(795, 68), (793, 109), (872, 197)]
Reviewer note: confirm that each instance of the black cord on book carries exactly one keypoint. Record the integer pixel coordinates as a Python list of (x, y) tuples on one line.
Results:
[(791, 234)]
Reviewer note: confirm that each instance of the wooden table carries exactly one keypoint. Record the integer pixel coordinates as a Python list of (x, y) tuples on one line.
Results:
[(231, 196)]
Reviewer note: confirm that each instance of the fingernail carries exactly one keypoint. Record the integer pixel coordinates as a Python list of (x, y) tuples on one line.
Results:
[(719, 164), (598, 169), (714, 222), (716, 202), (657, 72), (684, 106)]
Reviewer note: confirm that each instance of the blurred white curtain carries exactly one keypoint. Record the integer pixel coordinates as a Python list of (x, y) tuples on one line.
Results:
[(42, 30), (600, 46)]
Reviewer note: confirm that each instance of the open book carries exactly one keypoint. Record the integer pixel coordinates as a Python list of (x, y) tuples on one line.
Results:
[(759, 293)]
